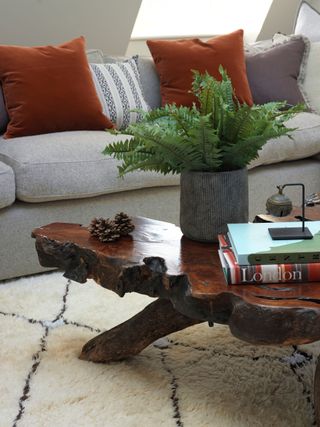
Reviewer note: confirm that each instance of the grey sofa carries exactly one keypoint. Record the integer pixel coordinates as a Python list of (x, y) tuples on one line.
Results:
[(64, 177)]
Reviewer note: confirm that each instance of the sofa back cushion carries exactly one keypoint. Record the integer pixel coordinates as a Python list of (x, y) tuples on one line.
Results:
[(308, 22), (49, 89), (7, 185), (175, 60), (149, 81)]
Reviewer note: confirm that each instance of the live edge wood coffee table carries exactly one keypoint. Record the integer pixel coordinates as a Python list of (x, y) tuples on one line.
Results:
[(187, 281)]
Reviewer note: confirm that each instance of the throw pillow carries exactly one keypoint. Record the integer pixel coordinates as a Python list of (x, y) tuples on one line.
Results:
[(311, 83), (257, 47), (148, 77), (308, 22), (119, 89), (310, 73), (49, 89), (274, 74), (175, 60)]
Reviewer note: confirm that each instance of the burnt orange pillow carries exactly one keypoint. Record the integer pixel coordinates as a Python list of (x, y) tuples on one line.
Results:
[(175, 60), (49, 89)]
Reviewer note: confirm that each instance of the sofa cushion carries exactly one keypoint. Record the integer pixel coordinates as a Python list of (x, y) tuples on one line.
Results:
[(305, 142), (150, 81), (70, 165), (308, 22), (257, 47), (7, 186)]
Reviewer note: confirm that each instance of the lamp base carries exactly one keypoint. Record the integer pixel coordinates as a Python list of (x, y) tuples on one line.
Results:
[(290, 233)]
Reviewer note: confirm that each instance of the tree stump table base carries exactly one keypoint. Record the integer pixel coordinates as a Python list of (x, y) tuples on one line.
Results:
[(187, 279), (157, 320)]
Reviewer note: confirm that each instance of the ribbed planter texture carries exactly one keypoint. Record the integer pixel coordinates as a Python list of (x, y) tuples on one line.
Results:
[(211, 200)]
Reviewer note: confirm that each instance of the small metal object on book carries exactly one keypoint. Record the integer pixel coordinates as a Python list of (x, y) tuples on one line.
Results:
[(289, 233)]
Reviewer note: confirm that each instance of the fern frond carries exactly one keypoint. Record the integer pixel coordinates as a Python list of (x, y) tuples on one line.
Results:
[(210, 152), (218, 135), (117, 149)]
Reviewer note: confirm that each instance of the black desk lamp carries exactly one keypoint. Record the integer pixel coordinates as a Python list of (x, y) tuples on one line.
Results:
[(288, 233)]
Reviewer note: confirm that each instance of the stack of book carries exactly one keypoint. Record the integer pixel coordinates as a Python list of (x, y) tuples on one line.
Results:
[(249, 255)]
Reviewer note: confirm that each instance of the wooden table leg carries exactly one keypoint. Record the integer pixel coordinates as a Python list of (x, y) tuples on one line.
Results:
[(157, 320), (317, 392)]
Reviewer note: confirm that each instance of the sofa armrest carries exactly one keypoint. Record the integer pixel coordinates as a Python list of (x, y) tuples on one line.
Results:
[(7, 186)]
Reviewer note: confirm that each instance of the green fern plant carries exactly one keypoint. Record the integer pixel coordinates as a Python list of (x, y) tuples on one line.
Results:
[(219, 134)]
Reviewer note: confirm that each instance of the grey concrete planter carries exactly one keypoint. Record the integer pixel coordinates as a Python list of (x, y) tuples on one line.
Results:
[(210, 200)]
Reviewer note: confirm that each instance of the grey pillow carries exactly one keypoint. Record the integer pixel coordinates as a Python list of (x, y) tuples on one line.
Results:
[(150, 81), (274, 74)]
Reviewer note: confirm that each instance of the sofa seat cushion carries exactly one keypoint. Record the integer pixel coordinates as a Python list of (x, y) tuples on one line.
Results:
[(7, 186), (70, 165), (305, 142)]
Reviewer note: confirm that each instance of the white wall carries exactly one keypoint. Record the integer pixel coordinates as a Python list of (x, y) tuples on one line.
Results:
[(106, 24), (281, 17)]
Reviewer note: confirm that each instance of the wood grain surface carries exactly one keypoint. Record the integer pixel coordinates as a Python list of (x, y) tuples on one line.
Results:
[(158, 261)]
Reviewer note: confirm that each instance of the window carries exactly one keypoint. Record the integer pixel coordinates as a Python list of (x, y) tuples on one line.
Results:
[(179, 18)]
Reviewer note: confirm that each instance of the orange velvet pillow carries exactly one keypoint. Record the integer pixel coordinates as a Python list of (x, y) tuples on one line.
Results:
[(175, 60), (49, 89)]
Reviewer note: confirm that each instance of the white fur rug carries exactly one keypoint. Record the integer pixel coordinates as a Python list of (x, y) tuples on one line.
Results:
[(205, 377)]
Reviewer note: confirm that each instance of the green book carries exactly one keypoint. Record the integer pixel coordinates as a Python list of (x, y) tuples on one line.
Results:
[(252, 244)]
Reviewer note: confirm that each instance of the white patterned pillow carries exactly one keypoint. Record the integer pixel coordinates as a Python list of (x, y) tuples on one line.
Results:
[(119, 89)]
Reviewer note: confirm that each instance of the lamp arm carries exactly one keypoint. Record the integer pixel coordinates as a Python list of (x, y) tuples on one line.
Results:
[(303, 200)]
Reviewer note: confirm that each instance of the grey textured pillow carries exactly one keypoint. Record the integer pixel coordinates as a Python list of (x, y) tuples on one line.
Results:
[(150, 81), (274, 75)]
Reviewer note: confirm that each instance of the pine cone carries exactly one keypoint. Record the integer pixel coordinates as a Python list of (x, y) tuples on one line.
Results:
[(94, 226), (123, 223), (104, 229)]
